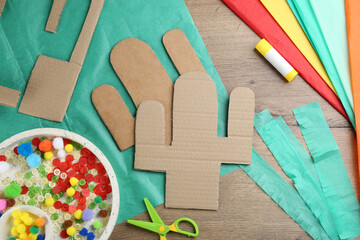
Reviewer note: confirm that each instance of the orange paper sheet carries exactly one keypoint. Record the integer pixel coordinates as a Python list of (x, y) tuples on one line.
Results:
[(352, 8)]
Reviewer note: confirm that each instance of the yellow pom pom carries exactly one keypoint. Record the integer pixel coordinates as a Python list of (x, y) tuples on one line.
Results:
[(32, 236), (23, 235), (16, 214), (71, 231), (70, 192), (69, 148), (14, 231), (21, 228), (24, 215), (17, 221), (28, 221), (49, 202), (78, 214), (74, 181), (48, 155)]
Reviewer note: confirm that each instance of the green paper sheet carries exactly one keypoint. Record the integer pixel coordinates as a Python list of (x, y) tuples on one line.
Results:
[(332, 173), (295, 169), (284, 195), (324, 23), (23, 38)]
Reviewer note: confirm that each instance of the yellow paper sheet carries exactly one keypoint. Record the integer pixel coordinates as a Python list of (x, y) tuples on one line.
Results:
[(283, 15)]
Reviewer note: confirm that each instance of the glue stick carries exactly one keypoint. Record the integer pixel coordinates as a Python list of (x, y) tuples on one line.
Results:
[(276, 59)]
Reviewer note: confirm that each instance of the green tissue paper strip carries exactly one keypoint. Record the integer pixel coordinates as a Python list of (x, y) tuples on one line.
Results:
[(330, 167), (300, 150), (23, 38), (324, 23), (295, 169), (284, 195)]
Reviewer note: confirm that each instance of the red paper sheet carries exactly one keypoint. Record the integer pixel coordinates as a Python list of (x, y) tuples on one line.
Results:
[(255, 15)]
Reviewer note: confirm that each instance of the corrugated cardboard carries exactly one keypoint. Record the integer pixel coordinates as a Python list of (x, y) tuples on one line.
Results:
[(2, 5), (9, 97), (54, 17), (192, 162), (181, 52), (145, 78), (52, 81), (115, 115)]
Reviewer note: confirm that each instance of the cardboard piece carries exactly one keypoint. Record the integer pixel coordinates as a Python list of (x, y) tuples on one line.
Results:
[(54, 17), (181, 52), (192, 162), (137, 65), (2, 5), (115, 115), (255, 15), (9, 97), (143, 76), (52, 81)]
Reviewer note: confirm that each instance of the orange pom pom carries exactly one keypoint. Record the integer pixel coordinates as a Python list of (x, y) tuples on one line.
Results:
[(40, 222), (45, 146)]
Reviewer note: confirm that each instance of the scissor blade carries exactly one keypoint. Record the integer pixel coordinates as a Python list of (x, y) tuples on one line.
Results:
[(153, 227), (153, 214)]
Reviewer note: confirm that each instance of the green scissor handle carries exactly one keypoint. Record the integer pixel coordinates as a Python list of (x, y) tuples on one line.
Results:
[(178, 230)]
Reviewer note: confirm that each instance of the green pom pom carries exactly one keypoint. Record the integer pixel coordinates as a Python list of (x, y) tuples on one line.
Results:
[(97, 225), (98, 199), (12, 191), (34, 229)]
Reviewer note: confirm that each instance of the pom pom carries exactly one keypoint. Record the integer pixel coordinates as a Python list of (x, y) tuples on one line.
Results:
[(40, 237), (71, 231), (97, 225), (39, 222), (2, 204), (78, 214), (49, 202), (48, 155), (70, 192), (25, 149), (69, 148), (103, 213), (90, 236), (33, 160), (83, 232), (45, 146), (61, 154), (87, 215), (58, 143), (4, 167), (13, 190), (34, 229), (74, 181)]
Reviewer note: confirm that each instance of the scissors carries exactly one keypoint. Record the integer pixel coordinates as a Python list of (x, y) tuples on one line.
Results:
[(159, 227)]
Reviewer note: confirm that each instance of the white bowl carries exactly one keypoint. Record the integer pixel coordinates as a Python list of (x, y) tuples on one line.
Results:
[(55, 132), (5, 221)]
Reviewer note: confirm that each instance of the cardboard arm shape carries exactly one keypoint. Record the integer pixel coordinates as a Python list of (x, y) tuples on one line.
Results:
[(192, 162), (144, 78), (54, 17), (56, 79), (2, 5)]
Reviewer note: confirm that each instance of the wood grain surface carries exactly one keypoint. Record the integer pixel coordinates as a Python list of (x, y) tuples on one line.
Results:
[(246, 212)]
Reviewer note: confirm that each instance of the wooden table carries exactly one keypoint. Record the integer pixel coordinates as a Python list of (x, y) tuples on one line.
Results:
[(246, 212)]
